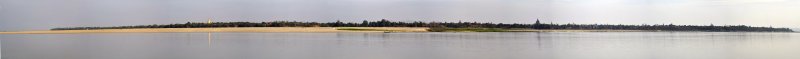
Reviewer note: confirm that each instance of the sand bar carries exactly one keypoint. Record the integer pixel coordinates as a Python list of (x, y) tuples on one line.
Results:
[(584, 31)]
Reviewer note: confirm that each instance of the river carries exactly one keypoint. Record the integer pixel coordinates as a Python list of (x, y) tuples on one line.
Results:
[(477, 45)]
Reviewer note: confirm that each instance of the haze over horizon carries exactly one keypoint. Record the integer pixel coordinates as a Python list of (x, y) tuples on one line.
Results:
[(20, 15)]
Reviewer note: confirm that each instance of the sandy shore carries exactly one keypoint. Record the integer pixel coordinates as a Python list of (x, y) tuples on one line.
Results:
[(583, 31), (239, 29)]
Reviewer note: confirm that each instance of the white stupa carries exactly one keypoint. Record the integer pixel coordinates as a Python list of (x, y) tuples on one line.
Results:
[(209, 21)]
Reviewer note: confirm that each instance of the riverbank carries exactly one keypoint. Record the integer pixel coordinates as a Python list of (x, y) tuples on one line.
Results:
[(231, 29), (526, 30), (307, 30)]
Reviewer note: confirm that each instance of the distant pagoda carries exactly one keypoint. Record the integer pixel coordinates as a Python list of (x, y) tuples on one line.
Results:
[(209, 21)]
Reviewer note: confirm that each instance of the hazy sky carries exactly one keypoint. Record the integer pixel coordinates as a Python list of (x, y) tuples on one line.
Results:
[(16, 15)]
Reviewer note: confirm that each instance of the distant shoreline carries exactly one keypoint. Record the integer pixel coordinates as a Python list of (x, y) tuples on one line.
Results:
[(227, 29), (286, 29), (457, 26)]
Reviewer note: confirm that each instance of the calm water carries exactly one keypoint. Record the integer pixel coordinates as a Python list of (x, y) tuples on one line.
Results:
[(590, 45)]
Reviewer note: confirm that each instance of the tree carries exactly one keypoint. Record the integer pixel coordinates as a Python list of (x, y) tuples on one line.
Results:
[(383, 23), (337, 23), (365, 23)]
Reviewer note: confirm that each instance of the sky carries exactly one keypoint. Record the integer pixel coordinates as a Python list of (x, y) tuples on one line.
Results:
[(23, 15)]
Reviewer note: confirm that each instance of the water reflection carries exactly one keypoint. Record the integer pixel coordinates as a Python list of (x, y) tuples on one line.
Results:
[(209, 39), (544, 45)]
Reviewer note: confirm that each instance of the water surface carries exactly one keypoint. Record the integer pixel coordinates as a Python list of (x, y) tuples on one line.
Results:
[(511, 45)]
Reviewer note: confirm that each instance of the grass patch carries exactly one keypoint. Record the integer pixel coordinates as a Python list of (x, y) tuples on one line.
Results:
[(356, 29)]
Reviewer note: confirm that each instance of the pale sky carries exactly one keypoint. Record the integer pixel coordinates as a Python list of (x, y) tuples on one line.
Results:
[(18, 15)]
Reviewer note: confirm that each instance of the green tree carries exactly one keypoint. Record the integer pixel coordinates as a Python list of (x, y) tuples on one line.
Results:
[(365, 23)]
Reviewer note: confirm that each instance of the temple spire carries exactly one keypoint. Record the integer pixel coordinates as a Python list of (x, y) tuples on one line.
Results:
[(537, 22), (538, 25), (712, 25), (209, 21)]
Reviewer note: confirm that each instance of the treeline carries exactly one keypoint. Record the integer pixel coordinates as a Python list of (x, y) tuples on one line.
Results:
[(387, 23)]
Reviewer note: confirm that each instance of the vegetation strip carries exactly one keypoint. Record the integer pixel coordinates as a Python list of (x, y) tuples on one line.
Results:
[(458, 26)]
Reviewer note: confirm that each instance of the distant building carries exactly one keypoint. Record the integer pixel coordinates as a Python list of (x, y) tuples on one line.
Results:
[(537, 22), (209, 21), (538, 25)]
